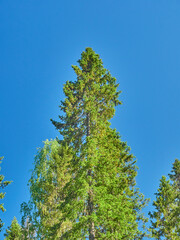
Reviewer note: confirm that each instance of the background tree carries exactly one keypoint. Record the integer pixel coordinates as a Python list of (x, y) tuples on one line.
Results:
[(3, 184), (101, 199), (27, 223), (175, 179), (165, 221), (46, 183), (175, 175), (13, 232)]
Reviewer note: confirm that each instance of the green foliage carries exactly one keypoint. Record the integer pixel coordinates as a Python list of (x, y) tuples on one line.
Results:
[(3, 184), (166, 220), (14, 231), (27, 224), (101, 199), (46, 183)]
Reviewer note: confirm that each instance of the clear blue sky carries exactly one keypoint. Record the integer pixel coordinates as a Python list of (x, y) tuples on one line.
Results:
[(138, 41)]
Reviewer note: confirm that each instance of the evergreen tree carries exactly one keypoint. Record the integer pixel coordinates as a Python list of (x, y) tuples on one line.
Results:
[(46, 183), (14, 231), (175, 179), (3, 184), (175, 174), (165, 223), (101, 199)]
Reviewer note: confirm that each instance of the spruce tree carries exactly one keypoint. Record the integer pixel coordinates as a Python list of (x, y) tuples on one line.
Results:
[(175, 179), (14, 231), (165, 223), (101, 199), (175, 174), (3, 184)]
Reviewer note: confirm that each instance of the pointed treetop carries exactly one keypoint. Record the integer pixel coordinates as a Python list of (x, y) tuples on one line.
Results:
[(175, 173), (89, 60)]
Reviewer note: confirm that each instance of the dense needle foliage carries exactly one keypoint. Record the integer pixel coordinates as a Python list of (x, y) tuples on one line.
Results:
[(165, 223), (13, 232), (101, 200)]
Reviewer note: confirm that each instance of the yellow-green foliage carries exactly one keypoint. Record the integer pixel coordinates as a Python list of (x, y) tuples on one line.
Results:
[(3, 184), (48, 178), (14, 231)]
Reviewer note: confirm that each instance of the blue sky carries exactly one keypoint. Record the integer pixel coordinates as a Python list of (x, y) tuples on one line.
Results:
[(138, 42)]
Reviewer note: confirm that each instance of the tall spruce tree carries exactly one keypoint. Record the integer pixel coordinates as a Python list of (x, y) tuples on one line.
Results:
[(101, 199), (14, 231), (165, 223), (3, 184)]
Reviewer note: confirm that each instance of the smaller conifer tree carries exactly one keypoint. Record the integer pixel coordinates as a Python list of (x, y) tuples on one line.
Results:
[(13, 232), (165, 223)]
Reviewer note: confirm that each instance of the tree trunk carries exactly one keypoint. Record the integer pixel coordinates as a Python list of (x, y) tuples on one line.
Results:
[(90, 193)]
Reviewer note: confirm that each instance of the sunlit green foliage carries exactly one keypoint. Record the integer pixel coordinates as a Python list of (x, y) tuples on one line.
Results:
[(101, 199), (49, 176), (165, 222), (14, 231)]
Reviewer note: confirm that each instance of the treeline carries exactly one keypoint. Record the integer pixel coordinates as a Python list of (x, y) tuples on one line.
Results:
[(83, 187)]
